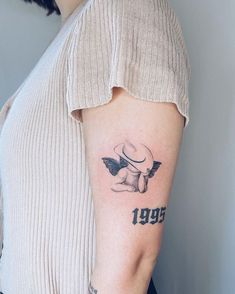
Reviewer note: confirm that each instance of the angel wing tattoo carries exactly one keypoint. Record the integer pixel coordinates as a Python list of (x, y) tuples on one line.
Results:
[(113, 165), (156, 165)]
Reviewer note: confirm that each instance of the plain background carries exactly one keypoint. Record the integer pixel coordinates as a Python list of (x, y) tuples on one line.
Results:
[(198, 248)]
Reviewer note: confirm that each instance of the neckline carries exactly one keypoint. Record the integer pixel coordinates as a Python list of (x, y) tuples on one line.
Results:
[(77, 9)]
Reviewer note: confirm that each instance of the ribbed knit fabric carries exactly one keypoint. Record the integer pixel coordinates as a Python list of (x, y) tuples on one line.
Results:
[(47, 213)]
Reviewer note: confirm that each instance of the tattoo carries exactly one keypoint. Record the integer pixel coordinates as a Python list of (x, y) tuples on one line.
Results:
[(91, 289), (146, 215), (135, 166)]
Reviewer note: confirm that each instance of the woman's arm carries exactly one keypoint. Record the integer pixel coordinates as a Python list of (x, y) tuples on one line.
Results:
[(132, 148)]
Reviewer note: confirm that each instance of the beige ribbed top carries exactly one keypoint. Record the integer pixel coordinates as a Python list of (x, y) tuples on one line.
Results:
[(47, 214)]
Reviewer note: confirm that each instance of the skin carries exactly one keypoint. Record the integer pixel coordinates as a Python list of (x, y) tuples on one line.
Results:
[(66, 7), (128, 224)]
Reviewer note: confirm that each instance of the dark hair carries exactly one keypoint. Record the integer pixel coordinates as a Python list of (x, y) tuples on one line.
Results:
[(49, 5)]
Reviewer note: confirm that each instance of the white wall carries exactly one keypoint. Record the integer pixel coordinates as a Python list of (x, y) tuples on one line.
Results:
[(25, 32), (198, 249)]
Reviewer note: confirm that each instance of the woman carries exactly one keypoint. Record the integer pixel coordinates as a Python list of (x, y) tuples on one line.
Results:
[(88, 151)]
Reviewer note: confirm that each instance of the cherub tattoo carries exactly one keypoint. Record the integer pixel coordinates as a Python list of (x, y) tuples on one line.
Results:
[(135, 166)]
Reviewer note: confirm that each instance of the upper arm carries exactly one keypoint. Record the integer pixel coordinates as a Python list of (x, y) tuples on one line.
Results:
[(130, 202), (137, 46)]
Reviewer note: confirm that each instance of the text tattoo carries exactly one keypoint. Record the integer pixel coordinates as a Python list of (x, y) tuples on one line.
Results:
[(146, 215)]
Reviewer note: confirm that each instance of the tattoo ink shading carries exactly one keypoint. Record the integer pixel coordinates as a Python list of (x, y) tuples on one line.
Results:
[(135, 166), (91, 289), (146, 215)]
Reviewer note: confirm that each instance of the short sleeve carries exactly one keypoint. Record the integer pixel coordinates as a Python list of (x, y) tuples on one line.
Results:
[(134, 44)]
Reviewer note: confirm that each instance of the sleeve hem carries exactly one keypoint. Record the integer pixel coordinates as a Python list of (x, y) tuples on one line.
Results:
[(74, 110)]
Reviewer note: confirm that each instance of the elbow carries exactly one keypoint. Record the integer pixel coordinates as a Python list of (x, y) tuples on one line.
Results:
[(146, 262), (140, 271), (141, 262), (131, 275)]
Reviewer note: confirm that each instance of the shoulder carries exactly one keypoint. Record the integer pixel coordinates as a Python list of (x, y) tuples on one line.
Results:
[(135, 11), (130, 43), (143, 11), (135, 21)]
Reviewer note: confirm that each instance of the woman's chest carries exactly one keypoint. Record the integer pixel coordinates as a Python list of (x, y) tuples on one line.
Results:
[(37, 126)]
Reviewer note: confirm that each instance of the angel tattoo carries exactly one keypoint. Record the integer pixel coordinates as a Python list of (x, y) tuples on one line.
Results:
[(135, 166)]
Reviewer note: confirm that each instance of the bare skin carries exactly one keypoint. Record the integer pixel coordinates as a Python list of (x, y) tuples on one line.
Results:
[(132, 148), (66, 7)]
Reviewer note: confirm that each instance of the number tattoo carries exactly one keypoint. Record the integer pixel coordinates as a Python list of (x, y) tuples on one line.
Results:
[(135, 166), (91, 289), (147, 215)]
